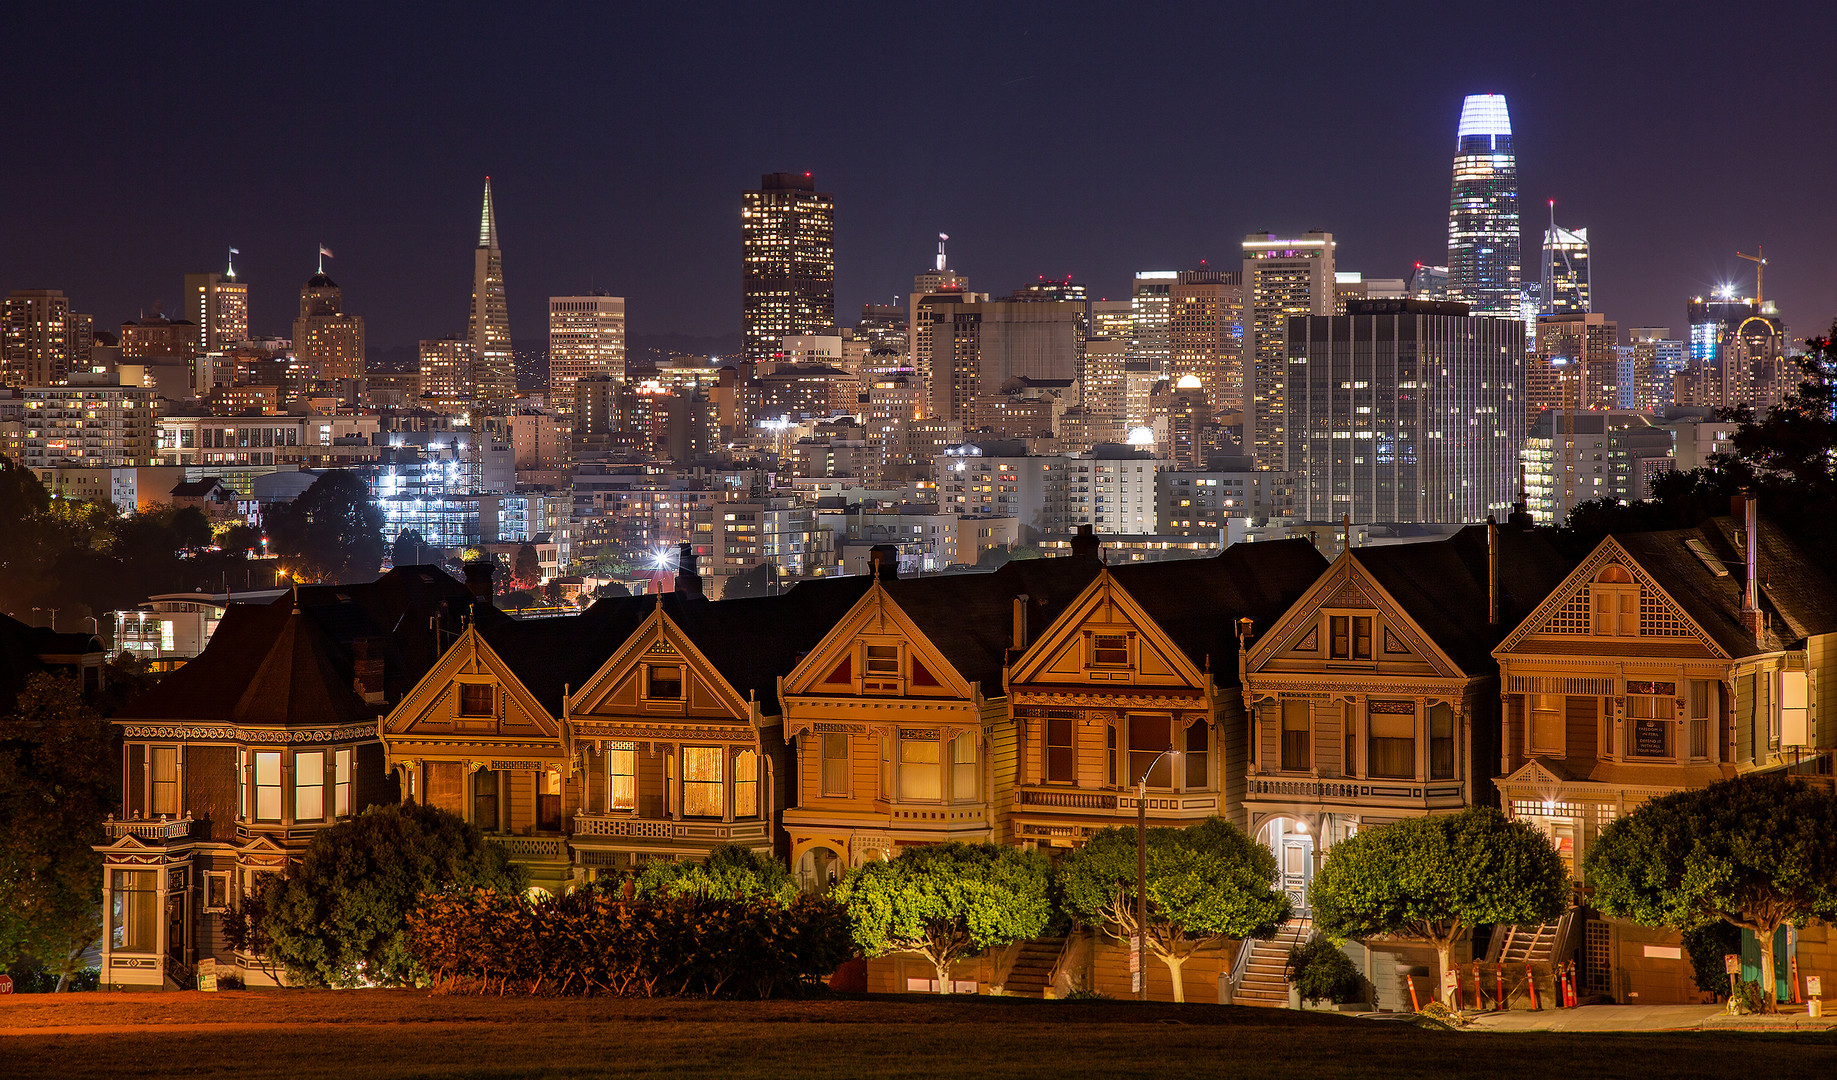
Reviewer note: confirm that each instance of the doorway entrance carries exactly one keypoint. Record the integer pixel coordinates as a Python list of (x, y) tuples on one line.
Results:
[(1292, 840)]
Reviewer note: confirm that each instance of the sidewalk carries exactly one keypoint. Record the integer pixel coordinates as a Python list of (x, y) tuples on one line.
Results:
[(1649, 1018)]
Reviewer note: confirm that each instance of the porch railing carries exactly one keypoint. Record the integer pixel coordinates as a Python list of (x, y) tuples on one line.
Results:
[(534, 848), (159, 829), (627, 827)]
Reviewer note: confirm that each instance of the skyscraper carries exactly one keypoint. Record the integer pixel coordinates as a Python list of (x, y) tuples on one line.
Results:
[(586, 337), (939, 280), (1149, 300), (1565, 269), (327, 343), (1205, 335), (219, 305), (788, 262), (1282, 277), (39, 338), (489, 330), (1483, 242), (1405, 411)]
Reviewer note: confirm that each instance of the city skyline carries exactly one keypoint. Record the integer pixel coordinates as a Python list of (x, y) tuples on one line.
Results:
[(1666, 217)]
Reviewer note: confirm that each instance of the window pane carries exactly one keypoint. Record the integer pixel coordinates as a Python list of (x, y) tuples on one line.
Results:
[(341, 779), (1148, 737), (1198, 737), (475, 699), (1110, 649), (835, 765), (883, 660), (702, 781), (165, 762), (1341, 637), (1546, 723), (444, 780), (666, 683), (134, 911), (1060, 763), (1392, 758), (623, 766), (963, 766), (309, 785), (1441, 742), (268, 786), (1361, 637), (485, 799), (746, 784), (1297, 731), (919, 775)]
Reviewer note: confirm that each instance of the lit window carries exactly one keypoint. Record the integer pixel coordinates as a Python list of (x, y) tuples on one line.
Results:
[(268, 785), (165, 769), (308, 785), (835, 766), (702, 781)]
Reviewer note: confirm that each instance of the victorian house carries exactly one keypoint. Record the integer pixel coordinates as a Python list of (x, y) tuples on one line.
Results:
[(232, 763), (1665, 661), (1375, 697)]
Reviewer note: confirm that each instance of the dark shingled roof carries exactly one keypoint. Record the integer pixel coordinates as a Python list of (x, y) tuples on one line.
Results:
[(753, 640), (23, 650), (1442, 586), (1796, 595)]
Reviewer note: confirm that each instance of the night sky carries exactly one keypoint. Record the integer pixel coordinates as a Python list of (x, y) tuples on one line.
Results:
[(1046, 139)]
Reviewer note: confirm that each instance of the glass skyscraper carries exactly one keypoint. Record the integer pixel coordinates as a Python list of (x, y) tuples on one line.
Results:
[(1483, 243)]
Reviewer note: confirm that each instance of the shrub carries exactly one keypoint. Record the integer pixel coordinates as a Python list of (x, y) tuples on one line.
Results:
[(1706, 946), (730, 871), (1319, 971)]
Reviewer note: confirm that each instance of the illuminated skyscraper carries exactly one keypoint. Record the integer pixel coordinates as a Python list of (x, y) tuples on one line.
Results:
[(219, 305), (586, 337), (327, 343), (1281, 278), (1565, 269), (40, 339), (489, 331), (788, 262), (1205, 335), (1149, 305), (940, 280), (1483, 242)]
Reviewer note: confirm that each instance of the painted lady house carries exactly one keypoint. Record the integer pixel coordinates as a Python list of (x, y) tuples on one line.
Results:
[(1666, 661)]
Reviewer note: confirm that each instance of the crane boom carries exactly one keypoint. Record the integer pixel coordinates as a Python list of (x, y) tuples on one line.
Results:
[(1760, 267)]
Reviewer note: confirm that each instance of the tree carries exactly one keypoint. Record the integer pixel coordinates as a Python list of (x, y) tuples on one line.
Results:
[(339, 917), (58, 764), (409, 548), (1436, 878), (947, 902), (757, 580), (332, 532), (1207, 885), (240, 538), (1756, 852), (731, 871), (516, 600), (527, 569)]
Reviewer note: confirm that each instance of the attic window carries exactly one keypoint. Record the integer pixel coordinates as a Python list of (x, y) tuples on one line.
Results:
[(475, 699), (883, 661), (1707, 557), (664, 682), (1110, 650)]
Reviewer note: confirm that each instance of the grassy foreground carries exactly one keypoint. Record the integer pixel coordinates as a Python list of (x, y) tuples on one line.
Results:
[(398, 1033)]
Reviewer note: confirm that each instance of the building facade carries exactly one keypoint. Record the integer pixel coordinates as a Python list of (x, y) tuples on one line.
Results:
[(1281, 278), (1484, 252), (586, 337), (788, 262), (494, 375)]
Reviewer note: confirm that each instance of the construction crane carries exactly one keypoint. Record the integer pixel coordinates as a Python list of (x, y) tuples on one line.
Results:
[(1760, 267)]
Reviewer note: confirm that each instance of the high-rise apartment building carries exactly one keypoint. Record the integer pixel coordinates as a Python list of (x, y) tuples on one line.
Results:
[(1565, 268), (1404, 411), (586, 337), (1573, 457), (155, 337), (940, 280), (1282, 278), (41, 339), (1149, 301), (219, 306), (1113, 319), (1484, 254), (1714, 320), (447, 369), (495, 379), (90, 421), (1582, 345), (788, 262), (1657, 358), (1205, 335), (327, 343)]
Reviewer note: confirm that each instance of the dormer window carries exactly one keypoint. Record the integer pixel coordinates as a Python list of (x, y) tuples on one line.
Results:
[(1110, 650), (663, 682), (1615, 602), (475, 699), (882, 661), (1349, 637)]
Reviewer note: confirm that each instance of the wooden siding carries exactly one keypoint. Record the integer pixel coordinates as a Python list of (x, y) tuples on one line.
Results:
[(211, 789), (1581, 732), (1231, 749), (1328, 735)]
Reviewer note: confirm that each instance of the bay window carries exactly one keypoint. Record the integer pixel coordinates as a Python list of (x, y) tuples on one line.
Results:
[(308, 785), (746, 784), (133, 918), (963, 767), (165, 776), (622, 769), (267, 785)]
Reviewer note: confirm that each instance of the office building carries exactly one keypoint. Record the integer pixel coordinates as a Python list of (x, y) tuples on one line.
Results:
[(1565, 288), (1282, 278), (447, 369), (1576, 456), (586, 337), (41, 339), (1404, 411), (1483, 243), (1204, 503), (1149, 301), (939, 280), (327, 343), (1429, 283), (1657, 358), (1577, 362), (89, 421), (495, 378), (788, 268), (1715, 319), (155, 337), (218, 304), (1205, 335), (978, 346)]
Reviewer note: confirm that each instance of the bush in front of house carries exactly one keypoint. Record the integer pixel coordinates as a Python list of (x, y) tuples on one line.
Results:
[(1319, 971), (597, 942)]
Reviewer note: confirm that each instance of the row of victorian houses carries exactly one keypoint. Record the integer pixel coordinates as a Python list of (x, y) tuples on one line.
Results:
[(850, 718)]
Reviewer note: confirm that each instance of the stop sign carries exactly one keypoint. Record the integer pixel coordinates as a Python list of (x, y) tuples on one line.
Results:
[(6, 984)]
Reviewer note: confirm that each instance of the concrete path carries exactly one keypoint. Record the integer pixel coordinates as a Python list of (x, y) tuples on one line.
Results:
[(1648, 1018)]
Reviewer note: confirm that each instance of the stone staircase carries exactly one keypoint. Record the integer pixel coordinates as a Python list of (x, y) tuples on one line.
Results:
[(1265, 982), (1032, 969)]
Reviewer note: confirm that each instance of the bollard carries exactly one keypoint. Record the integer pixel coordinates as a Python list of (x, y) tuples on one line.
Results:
[(1415, 1005)]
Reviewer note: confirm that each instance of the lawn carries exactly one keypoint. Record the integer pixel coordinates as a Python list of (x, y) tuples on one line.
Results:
[(397, 1033)]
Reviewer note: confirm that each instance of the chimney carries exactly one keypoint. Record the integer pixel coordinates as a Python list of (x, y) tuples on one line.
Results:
[(688, 579), (1750, 590), (885, 558), (1085, 543), (1018, 637), (1492, 571), (478, 579)]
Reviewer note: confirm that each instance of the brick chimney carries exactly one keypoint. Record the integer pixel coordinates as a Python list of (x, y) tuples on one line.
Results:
[(478, 579), (1085, 543), (1017, 639), (688, 578)]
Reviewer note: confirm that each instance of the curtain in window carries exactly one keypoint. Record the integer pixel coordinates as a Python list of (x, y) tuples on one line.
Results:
[(702, 794), (1441, 742), (308, 785), (268, 785), (134, 911), (1061, 766), (622, 767), (1392, 745), (445, 782), (1198, 742), (165, 760), (919, 775), (835, 766), (746, 784), (1297, 729), (1148, 737), (963, 767)]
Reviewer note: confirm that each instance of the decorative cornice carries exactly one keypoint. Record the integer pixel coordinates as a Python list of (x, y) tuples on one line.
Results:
[(234, 733), (653, 732)]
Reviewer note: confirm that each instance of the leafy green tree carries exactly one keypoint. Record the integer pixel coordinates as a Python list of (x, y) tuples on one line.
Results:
[(1320, 971), (338, 918), (240, 538), (58, 768), (754, 581), (731, 871), (516, 600), (947, 902), (1436, 878), (332, 532), (1207, 885), (1756, 852)]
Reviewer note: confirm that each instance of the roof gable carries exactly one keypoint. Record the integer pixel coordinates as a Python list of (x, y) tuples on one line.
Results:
[(1568, 612), (836, 665), (435, 707), (1299, 642), (620, 687), (1081, 645)]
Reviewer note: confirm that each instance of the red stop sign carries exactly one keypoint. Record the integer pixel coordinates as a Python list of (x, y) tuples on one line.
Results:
[(6, 984)]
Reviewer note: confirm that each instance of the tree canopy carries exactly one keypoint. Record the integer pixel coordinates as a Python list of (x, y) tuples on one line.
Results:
[(1756, 852), (947, 902), (332, 532), (339, 917), (1436, 878), (1207, 884), (58, 768), (731, 871), (526, 569), (409, 548)]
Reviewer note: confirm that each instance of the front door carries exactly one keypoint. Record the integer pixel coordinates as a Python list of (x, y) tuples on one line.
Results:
[(1297, 859)]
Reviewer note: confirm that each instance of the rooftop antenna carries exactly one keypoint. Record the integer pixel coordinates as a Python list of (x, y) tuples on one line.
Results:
[(941, 263)]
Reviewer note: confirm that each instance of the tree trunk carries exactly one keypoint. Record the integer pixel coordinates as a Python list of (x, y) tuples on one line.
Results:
[(943, 969), (1443, 949), (1769, 984), (1174, 964)]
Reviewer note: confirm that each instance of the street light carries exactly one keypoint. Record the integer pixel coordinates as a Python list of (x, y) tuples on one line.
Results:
[(1141, 875)]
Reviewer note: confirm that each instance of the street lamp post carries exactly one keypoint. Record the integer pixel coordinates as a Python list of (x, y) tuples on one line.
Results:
[(1141, 875)]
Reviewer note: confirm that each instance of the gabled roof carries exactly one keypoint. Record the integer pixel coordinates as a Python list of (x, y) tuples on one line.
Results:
[(23, 650), (753, 640), (1442, 586), (1797, 596)]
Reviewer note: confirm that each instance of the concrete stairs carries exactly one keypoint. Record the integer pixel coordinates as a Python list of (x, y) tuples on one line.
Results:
[(1032, 969), (1265, 981)]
